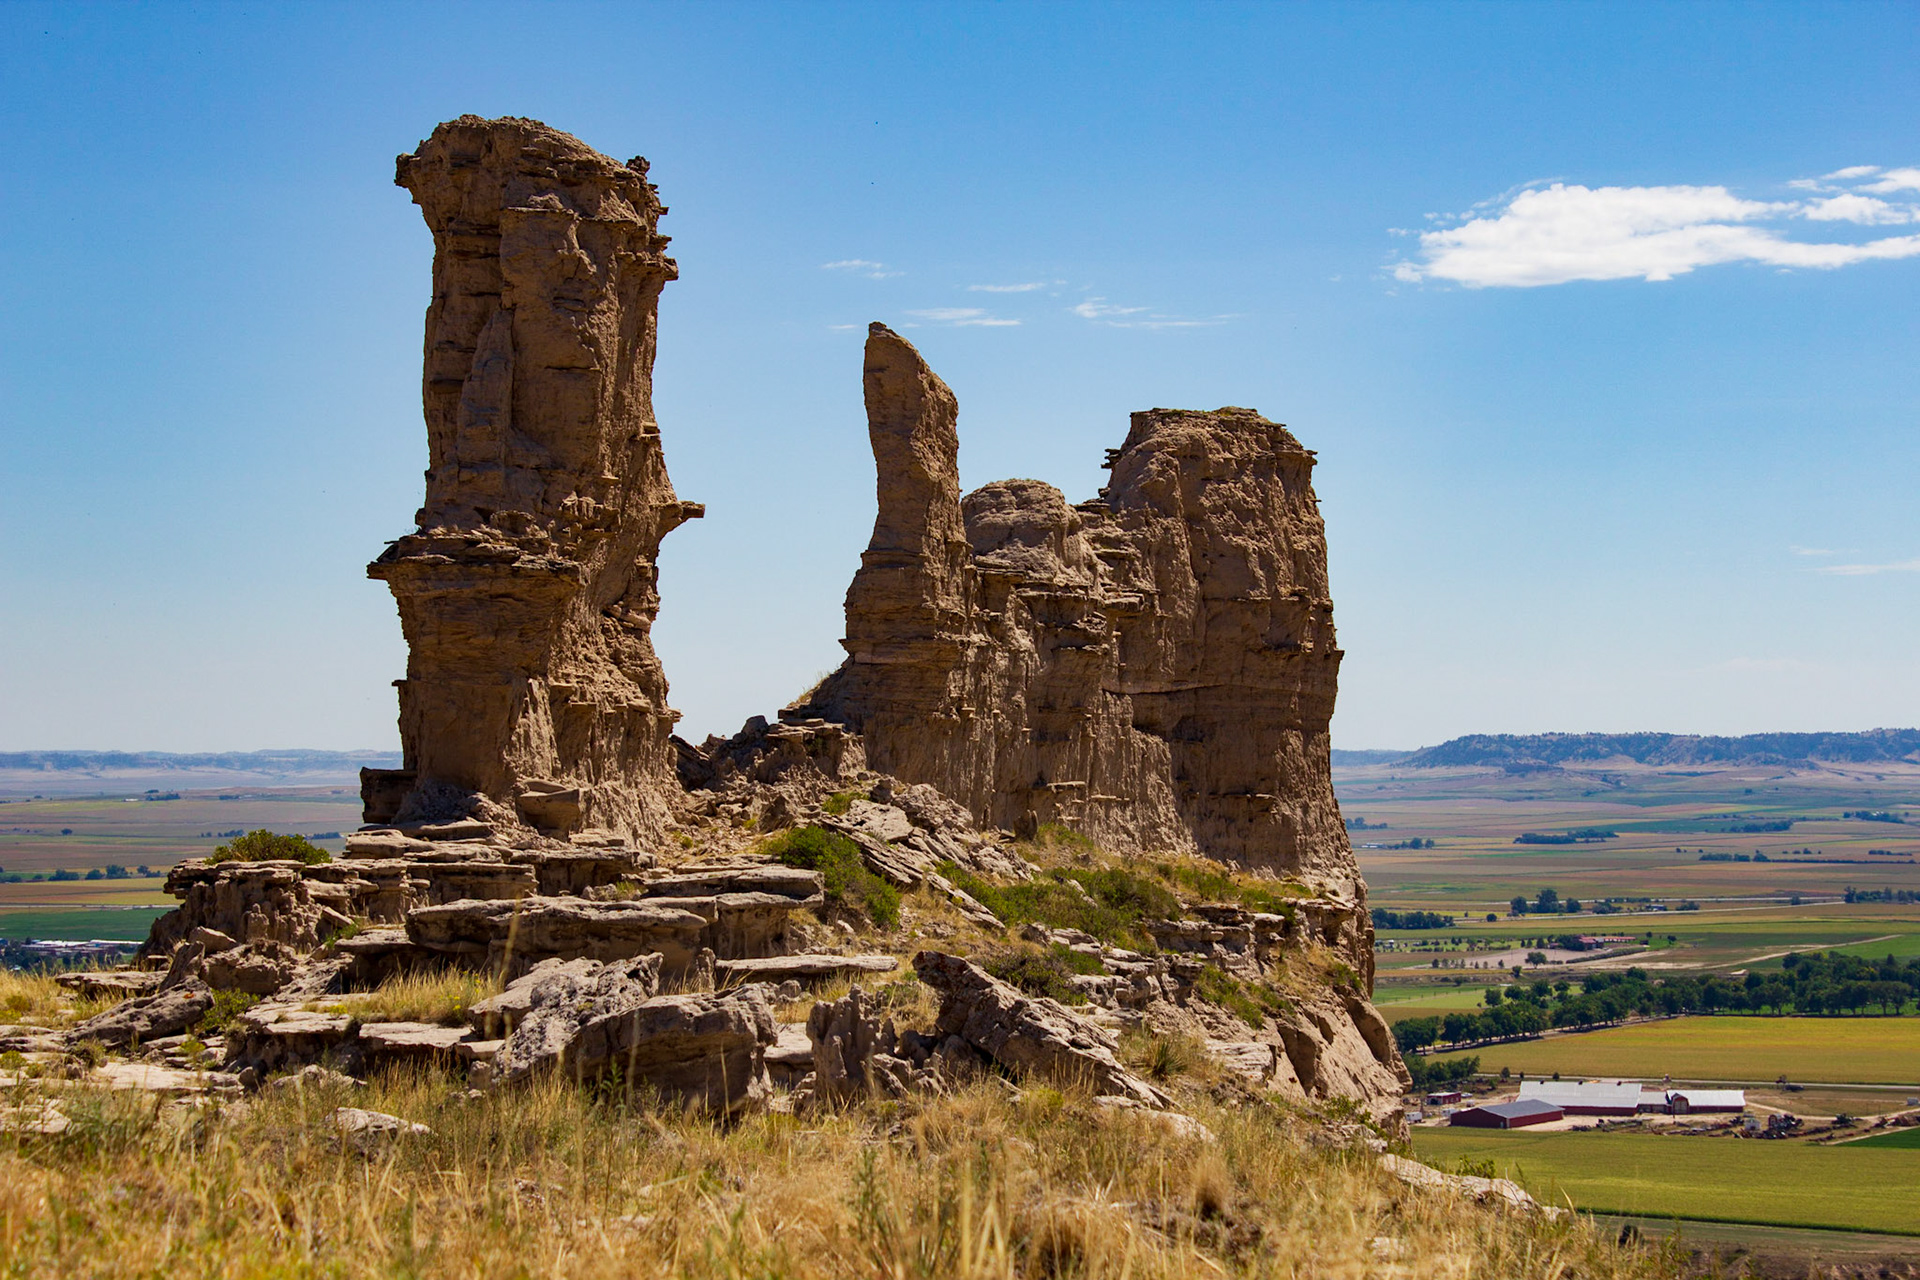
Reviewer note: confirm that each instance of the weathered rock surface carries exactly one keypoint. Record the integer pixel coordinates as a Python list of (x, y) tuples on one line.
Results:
[(518, 935), (1027, 1034), (280, 1035), (853, 1052), (1498, 1191), (1155, 668), (527, 594), (706, 1051), (809, 967), (147, 1017)]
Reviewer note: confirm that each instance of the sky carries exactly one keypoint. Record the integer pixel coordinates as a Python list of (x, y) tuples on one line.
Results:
[(1601, 317)]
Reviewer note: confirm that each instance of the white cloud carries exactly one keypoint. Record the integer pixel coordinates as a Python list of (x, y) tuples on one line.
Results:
[(1896, 180), (1850, 172), (1860, 570), (1101, 309), (962, 316), (1852, 208), (1560, 232), (861, 266), (1812, 551), (1007, 288)]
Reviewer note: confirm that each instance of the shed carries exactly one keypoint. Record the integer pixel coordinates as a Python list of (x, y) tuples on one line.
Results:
[(1585, 1097), (1507, 1115), (1688, 1101), (1444, 1098)]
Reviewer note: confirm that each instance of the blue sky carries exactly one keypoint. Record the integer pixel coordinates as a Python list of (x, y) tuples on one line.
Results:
[(1602, 319)]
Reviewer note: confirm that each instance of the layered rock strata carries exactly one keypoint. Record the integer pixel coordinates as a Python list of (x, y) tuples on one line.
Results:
[(527, 593), (1155, 667)]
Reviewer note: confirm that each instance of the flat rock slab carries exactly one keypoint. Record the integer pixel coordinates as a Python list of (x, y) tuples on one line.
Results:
[(792, 1048), (113, 982), (36, 1119), (802, 967), (768, 877), (146, 1017), (410, 1037), (152, 1078), (525, 932)]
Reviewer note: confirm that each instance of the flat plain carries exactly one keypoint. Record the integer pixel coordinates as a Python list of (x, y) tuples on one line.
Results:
[(1832, 1050), (1710, 1179)]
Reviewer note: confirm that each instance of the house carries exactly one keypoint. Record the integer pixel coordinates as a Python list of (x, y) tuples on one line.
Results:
[(1681, 1102), (1585, 1097), (1507, 1115)]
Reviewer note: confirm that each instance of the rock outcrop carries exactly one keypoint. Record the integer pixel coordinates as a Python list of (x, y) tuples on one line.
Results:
[(527, 594), (1027, 1034), (1155, 667)]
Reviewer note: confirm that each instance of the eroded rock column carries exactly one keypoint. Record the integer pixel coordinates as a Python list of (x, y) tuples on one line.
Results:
[(533, 696)]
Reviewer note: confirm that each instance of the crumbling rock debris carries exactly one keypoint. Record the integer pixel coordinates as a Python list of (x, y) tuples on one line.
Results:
[(533, 697), (704, 1050), (1154, 668), (854, 1053), (1025, 1033)]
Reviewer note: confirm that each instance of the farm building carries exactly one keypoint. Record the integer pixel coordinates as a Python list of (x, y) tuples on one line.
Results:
[(1683, 1102), (1444, 1098), (1585, 1097), (1507, 1115)]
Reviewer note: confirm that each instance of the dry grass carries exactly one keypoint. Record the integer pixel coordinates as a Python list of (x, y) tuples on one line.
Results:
[(547, 1182), (438, 995), (35, 999)]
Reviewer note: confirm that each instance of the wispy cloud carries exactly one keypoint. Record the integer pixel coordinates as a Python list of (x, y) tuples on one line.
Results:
[(1028, 287), (1861, 570), (862, 266), (962, 317), (1559, 232), (1812, 551), (1100, 311)]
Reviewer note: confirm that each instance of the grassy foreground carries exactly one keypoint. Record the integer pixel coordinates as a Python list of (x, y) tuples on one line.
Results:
[(549, 1182), (1712, 1179), (1832, 1050)]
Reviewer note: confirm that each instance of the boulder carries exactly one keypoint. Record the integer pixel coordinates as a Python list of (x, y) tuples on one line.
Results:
[(147, 1018), (498, 1015), (279, 1036), (409, 1039), (116, 984), (853, 1052), (705, 1051), (1026, 1034)]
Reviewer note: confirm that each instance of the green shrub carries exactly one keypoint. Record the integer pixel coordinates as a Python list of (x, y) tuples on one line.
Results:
[(1106, 904), (1251, 1002), (840, 801), (269, 846), (1046, 973), (227, 1005), (849, 885), (1211, 884)]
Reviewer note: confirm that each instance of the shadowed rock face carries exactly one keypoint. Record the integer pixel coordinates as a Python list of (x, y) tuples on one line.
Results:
[(533, 696), (1155, 668)]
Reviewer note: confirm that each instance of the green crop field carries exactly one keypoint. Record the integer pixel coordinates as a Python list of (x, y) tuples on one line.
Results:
[(1710, 1179), (1898, 1139), (77, 924), (1814, 1049)]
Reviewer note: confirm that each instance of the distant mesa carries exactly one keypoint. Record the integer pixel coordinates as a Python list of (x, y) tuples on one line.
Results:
[(1544, 751)]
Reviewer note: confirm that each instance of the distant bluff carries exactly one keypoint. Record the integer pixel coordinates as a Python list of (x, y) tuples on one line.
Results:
[(1784, 750)]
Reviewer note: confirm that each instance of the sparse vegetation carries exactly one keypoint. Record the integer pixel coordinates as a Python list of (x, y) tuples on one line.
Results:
[(1250, 1001), (440, 995), (227, 1005), (1106, 903), (850, 887), (269, 846), (1042, 972)]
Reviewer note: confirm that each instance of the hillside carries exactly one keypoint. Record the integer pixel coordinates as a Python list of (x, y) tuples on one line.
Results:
[(97, 772), (1777, 749)]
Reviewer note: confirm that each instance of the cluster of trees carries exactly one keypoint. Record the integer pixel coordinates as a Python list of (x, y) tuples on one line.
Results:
[(1428, 1072), (1578, 835), (112, 871), (1755, 856), (1882, 895), (1873, 815), (1812, 982), (1384, 919), (1546, 903)]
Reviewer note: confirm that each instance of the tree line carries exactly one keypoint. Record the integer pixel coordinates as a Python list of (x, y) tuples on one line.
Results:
[(1807, 983)]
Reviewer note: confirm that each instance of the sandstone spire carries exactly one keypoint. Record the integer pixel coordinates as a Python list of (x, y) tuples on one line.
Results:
[(527, 593), (1155, 667)]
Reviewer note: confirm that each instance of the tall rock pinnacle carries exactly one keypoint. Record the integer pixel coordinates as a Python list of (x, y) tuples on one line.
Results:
[(1155, 668), (533, 697)]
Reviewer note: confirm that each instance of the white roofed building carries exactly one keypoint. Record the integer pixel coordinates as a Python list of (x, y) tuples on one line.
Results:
[(1586, 1097)]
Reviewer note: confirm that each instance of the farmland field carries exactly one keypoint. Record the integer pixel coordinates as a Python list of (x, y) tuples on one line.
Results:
[(1711, 1179), (77, 924), (1818, 1049), (1898, 1139)]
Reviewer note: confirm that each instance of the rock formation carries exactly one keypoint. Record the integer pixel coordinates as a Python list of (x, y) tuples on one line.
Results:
[(1155, 667), (533, 697)]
